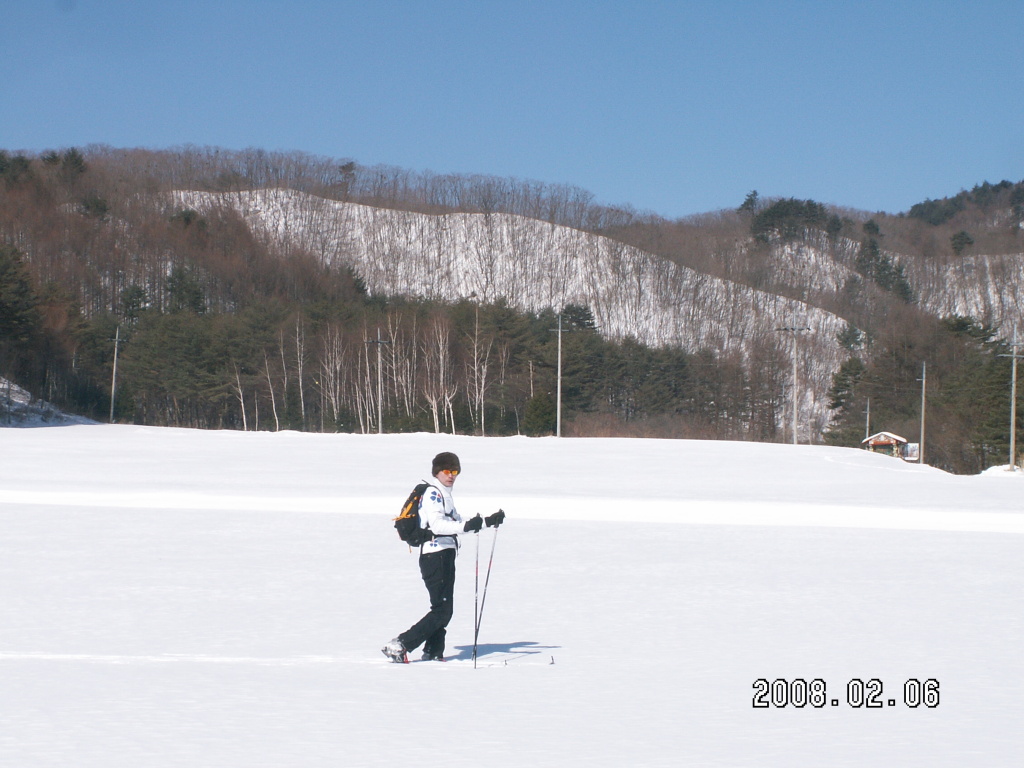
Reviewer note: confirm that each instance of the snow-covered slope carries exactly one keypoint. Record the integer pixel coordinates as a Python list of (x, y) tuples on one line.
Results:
[(988, 288), (19, 409), (530, 263), (535, 265)]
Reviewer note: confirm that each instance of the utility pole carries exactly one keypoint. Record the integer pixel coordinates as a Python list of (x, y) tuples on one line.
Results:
[(1014, 356), (924, 389), (113, 380), (794, 330), (380, 379), (867, 421), (558, 399), (558, 388)]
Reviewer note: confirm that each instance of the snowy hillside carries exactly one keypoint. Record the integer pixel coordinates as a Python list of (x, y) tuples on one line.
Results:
[(19, 409), (990, 288), (535, 265), (180, 598), (532, 264)]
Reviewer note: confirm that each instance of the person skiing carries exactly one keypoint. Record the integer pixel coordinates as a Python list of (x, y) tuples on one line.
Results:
[(437, 561)]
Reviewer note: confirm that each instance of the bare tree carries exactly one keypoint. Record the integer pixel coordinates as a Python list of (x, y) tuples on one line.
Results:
[(476, 373), (240, 394), (300, 365), (334, 362), (270, 386), (403, 354), (438, 386)]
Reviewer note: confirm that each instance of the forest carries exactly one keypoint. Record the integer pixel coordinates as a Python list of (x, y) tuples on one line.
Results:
[(214, 327)]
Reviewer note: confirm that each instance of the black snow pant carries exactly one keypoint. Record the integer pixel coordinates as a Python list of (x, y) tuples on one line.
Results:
[(438, 571)]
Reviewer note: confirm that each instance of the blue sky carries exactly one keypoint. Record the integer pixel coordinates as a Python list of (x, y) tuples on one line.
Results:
[(672, 107)]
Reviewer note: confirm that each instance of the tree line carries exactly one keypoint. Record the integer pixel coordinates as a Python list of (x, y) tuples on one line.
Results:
[(217, 328), (364, 364)]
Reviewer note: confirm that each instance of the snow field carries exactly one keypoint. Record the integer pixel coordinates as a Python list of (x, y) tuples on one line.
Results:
[(242, 627)]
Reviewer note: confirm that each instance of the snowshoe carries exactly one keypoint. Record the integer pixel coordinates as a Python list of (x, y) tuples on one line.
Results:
[(395, 651)]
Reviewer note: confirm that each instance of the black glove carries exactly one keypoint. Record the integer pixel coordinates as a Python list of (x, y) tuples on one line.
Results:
[(493, 521), (474, 524)]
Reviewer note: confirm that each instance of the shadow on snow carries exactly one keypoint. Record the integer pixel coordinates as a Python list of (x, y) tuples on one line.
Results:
[(522, 649)]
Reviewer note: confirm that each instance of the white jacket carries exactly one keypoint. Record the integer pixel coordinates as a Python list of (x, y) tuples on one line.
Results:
[(437, 512)]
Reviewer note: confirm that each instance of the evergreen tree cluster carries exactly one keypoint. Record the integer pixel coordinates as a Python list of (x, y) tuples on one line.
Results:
[(272, 365), (985, 196), (880, 268), (19, 315), (788, 219)]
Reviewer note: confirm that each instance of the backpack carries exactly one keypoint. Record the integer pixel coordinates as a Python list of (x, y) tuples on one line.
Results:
[(408, 523)]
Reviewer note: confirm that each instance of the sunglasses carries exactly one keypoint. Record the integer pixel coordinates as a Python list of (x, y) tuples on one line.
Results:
[(451, 472)]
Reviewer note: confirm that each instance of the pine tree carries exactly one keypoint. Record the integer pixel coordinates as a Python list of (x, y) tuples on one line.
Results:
[(841, 399), (19, 315), (540, 415)]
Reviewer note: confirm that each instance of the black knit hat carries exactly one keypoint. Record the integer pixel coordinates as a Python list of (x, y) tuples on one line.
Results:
[(445, 460)]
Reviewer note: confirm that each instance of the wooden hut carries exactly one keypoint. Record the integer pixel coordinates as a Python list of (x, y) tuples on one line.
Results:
[(887, 443)]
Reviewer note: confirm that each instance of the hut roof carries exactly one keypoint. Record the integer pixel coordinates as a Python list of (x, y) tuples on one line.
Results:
[(883, 438)]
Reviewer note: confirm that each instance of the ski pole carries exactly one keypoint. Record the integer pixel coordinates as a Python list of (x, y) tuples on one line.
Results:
[(483, 601), (476, 592)]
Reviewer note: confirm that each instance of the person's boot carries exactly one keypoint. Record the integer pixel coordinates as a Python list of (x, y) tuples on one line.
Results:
[(395, 651)]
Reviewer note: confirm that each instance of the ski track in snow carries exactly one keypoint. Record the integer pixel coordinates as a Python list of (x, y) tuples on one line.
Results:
[(259, 661)]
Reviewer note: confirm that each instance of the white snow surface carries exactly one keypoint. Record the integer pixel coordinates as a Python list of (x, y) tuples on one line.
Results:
[(187, 598)]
